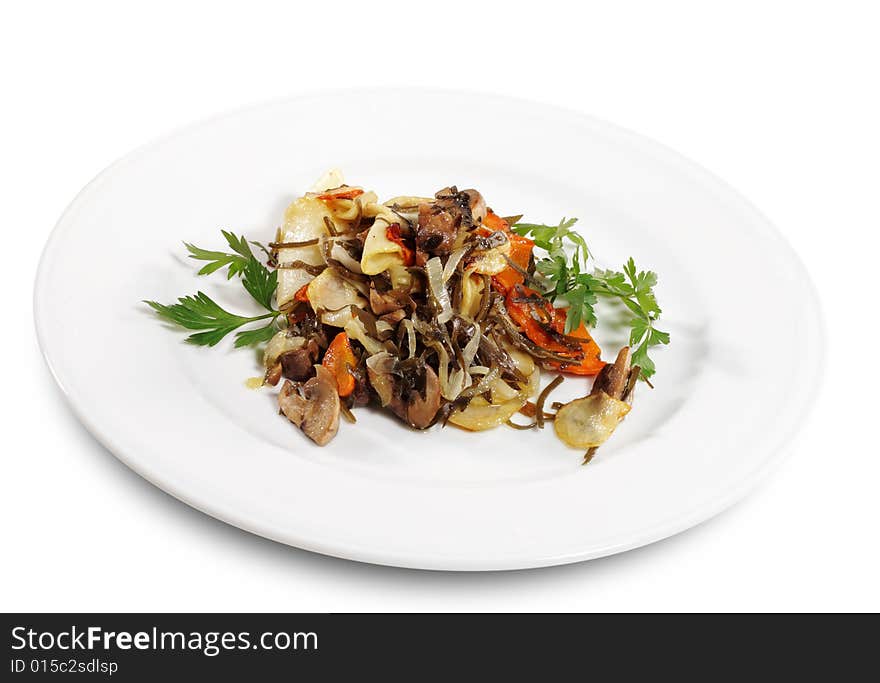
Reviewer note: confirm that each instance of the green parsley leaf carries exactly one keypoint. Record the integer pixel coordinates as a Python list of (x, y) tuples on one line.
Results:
[(640, 357), (258, 280), (255, 336), (580, 300), (200, 312), (236, 261), (635, 290)]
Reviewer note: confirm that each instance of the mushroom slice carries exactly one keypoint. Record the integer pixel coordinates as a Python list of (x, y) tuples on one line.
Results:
[(613, 379), (292, 405), (421, 409), (476, 204), (385, 302), (439, 221), (316, 409), (297, 365), (492, 259), (588, 422), (380, 367)]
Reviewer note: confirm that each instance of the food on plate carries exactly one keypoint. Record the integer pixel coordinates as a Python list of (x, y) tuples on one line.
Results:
[(436, 309)]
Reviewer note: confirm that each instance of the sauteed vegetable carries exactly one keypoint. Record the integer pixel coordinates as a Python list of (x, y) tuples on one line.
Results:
[(438, 309)]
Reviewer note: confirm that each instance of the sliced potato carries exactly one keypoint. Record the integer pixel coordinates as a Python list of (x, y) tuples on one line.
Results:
[(523, 361), (502, 392), (480, 415), (588, 422)]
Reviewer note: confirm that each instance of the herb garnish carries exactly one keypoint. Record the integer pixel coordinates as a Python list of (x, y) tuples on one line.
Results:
[(200, 312), (569, 277)]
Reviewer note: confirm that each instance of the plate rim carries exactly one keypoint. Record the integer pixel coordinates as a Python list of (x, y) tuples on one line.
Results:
[(777, 452)]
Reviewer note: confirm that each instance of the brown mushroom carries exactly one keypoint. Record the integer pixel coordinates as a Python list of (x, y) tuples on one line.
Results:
[(393, 317), (413, 395), (386, 302), (290, 402), (613, 378), (437, 230), (616, 380), (315, 409), (297, 365), (273, 375), (422, 408), (439, 221), (380, 367), (476, 204)]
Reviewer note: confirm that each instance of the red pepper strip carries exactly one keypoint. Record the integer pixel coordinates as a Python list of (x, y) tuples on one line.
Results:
[(302, 294), (524, 314), (338, 358), (392, 232), (345, 194)]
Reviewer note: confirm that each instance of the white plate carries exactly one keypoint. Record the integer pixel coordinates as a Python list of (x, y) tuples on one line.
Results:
[(730, 389)]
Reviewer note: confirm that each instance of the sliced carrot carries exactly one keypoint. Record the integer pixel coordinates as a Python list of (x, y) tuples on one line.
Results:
[(350, 193), (591, 363), (392, 232), (527, 316), (530, 316), (338, 358), (520, 254), (495, 222)]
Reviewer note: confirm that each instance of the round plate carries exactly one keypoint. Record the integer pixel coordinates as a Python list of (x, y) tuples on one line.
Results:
[(730, 389)]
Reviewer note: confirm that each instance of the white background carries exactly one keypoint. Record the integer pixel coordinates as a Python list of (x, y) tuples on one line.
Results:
[(779, 99)]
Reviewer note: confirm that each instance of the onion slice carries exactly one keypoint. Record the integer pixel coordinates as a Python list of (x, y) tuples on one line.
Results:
[(452, 263), (434, 269)]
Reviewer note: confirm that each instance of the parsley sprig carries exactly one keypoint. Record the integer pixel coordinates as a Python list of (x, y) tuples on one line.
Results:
[(200, 312), (570, 277), (635, 290)]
